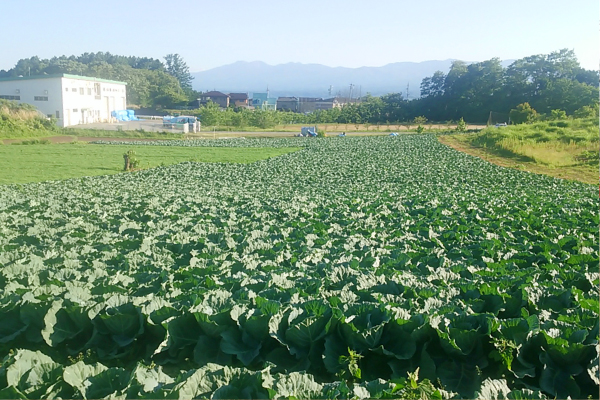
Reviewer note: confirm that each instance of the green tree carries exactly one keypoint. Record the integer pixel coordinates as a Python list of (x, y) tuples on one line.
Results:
[(522, 114), (175, 66)]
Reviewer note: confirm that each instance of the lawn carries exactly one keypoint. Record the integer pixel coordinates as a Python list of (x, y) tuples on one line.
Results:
[(42, 162)]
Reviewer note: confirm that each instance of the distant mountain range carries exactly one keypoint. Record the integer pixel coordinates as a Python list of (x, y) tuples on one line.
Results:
[(315, 80)]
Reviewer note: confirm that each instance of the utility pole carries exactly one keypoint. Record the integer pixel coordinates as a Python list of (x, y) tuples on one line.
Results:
[(351, 86), (407, 85)]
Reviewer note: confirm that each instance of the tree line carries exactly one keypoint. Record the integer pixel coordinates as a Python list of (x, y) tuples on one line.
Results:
[(546, 82)]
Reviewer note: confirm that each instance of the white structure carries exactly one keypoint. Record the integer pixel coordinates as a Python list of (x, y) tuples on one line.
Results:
[(71, 99)]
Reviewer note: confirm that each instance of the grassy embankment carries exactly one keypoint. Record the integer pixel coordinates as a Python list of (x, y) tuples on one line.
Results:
[(41, 162), (566, 149)]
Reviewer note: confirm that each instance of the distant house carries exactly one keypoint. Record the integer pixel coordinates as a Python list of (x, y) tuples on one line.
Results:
[(239, 99), (219, 98), (288, 104), (262, 101), (71, 99)]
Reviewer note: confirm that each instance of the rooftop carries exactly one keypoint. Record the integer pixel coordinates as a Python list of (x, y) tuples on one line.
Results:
[(54, 76), (214, 93)]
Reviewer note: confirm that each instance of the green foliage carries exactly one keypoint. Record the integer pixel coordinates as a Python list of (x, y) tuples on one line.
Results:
[(131, 161), (420, 129), (321, 132), (350, 370), (558, 114), (175, 66), (587, 112), (420, 120), (461, 125), (32, 141), (523, 114), (250, 281)]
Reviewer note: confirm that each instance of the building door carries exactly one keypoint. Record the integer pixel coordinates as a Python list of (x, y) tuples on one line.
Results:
[(106, 109)]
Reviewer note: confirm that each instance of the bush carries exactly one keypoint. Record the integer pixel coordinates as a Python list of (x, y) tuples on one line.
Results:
[(558, 114), (522, 114), (131, 161), (461, 126), (587, 112)]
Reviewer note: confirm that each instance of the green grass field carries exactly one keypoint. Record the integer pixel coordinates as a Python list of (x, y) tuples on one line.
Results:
[(41, 162)]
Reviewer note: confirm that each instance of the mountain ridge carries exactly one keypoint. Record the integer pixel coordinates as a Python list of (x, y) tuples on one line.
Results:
[(300, 79)]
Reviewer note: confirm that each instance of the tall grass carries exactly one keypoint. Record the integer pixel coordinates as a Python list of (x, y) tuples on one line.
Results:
[(553, 143), (23, 120)]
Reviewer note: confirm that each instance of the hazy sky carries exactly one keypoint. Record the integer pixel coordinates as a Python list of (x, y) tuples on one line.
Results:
[(349, 33)]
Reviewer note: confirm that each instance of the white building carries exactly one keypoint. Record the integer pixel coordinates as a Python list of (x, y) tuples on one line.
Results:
[(71, 99)]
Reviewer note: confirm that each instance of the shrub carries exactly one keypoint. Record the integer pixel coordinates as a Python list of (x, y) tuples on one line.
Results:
[(558, 114), (587, 112), (461, 126), (131, 161), (522, 114)]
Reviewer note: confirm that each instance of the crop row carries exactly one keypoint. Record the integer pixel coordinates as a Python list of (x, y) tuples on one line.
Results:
[(350, 262)]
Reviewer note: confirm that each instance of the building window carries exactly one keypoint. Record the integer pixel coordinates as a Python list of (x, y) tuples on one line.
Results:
[(58, 114), (89, 91), (49, 115), (66, 89), (9, 97), (74, 90), (40, 98), (75, 110), (81, 90)]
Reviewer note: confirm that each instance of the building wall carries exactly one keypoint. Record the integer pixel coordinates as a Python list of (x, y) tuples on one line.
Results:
[(287, 105), (71, 101), (44, 94), (86, 101), (241, 103), (307, 106)]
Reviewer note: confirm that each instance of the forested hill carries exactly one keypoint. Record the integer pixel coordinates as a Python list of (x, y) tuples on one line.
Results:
[(150, 82), (545, 81)]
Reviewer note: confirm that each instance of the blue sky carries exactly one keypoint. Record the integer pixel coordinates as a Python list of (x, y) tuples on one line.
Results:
[(349, 33)]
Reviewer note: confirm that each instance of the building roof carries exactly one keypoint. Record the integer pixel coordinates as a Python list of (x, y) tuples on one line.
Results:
[(309, 99), (287, 99), (53, 76), (213, 93), (238, 96)]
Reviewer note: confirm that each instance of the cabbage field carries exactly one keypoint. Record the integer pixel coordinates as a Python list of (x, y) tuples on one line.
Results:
[(372, 267)]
